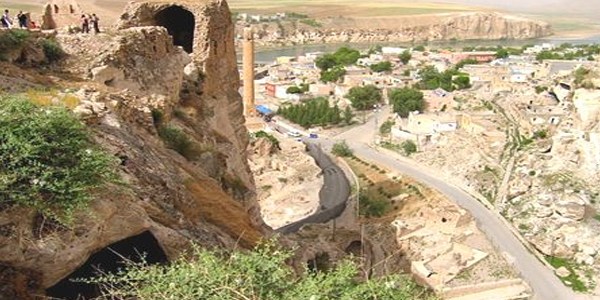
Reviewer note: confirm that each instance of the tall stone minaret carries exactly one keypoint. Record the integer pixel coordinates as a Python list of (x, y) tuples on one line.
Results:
[(248, 66)]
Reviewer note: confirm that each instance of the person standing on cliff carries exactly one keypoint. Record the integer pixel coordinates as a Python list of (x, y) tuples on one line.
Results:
[(94, 20), (22, 19), (85, 24), (6, 21)]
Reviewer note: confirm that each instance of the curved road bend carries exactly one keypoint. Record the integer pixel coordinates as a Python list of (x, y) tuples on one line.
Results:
[(333, 194), (545, 285)]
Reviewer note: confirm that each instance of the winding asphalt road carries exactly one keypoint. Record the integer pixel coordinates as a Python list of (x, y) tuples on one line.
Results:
[(545, 284)]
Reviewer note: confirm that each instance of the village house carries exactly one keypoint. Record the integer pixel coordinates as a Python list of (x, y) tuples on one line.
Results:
[(424, 128), (480, 125)]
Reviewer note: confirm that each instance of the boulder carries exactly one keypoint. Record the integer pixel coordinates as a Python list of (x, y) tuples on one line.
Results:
[(571, 206), (562, 272)]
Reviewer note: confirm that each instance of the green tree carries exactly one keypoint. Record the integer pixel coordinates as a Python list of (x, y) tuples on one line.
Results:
[(333, 75), (294, 90), (386, 127), (49, 160), (312, 112), (384, 66), (405, 57), (462, 82), (408, 147), (467, 61), (341, 149), (326, 62), (502, 53), (406, 100), (364, 97)]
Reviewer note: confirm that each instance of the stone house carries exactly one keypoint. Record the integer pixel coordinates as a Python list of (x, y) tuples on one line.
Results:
[(424, 128)]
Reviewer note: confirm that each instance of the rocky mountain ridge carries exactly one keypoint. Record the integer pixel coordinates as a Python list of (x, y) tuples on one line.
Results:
[(404, 29)]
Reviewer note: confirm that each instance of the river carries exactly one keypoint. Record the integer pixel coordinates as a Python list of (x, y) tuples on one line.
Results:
[(269, 55)]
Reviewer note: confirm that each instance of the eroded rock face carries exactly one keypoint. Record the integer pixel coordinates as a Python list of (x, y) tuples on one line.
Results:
[(208, 200), (144, 61), (460, 26)]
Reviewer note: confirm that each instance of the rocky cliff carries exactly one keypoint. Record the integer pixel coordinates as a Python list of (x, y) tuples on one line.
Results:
[(128, 85), (420, 28)]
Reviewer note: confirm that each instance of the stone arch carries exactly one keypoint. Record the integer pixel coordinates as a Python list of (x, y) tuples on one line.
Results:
[(71, 9), (108, 260), (55, 9), (180, 24)]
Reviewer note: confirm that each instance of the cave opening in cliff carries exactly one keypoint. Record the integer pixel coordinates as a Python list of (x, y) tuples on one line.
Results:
[(142, 247), (180, 24)]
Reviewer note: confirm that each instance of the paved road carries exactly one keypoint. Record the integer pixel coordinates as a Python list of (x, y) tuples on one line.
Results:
[(332, 196), (542, 280)]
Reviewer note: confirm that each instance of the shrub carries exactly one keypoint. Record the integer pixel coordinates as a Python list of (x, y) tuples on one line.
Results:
[(262, 273), (12, 39), (341, 149), (408, 147), (386, 127), (49, 160), (540, 134), (52, 50), (373, 207), (177, 140), (274, 141)]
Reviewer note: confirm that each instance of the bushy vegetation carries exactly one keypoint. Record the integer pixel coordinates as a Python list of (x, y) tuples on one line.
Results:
[(333, 75), (420, 48), (12, 39), (386, 127), (177, 140), (568, 51), (259, 274), (295, 15), (52, 50), (405, 57), (448, 80), (262, 134), (294, 89), (464, 62), (364, 97), (408, 147), (332, 64), (316, 111), (406, 100), (341, 149), (540, 89), (573, 279), (384, 66), (48, 159), (371, 206), (311, 22)]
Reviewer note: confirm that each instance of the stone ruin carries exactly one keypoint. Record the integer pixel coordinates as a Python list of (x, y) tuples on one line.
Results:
[(61, 13), (202, 28)]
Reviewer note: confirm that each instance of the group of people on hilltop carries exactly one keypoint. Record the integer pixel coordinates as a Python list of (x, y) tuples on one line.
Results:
[(87, 20), (7, 22)]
